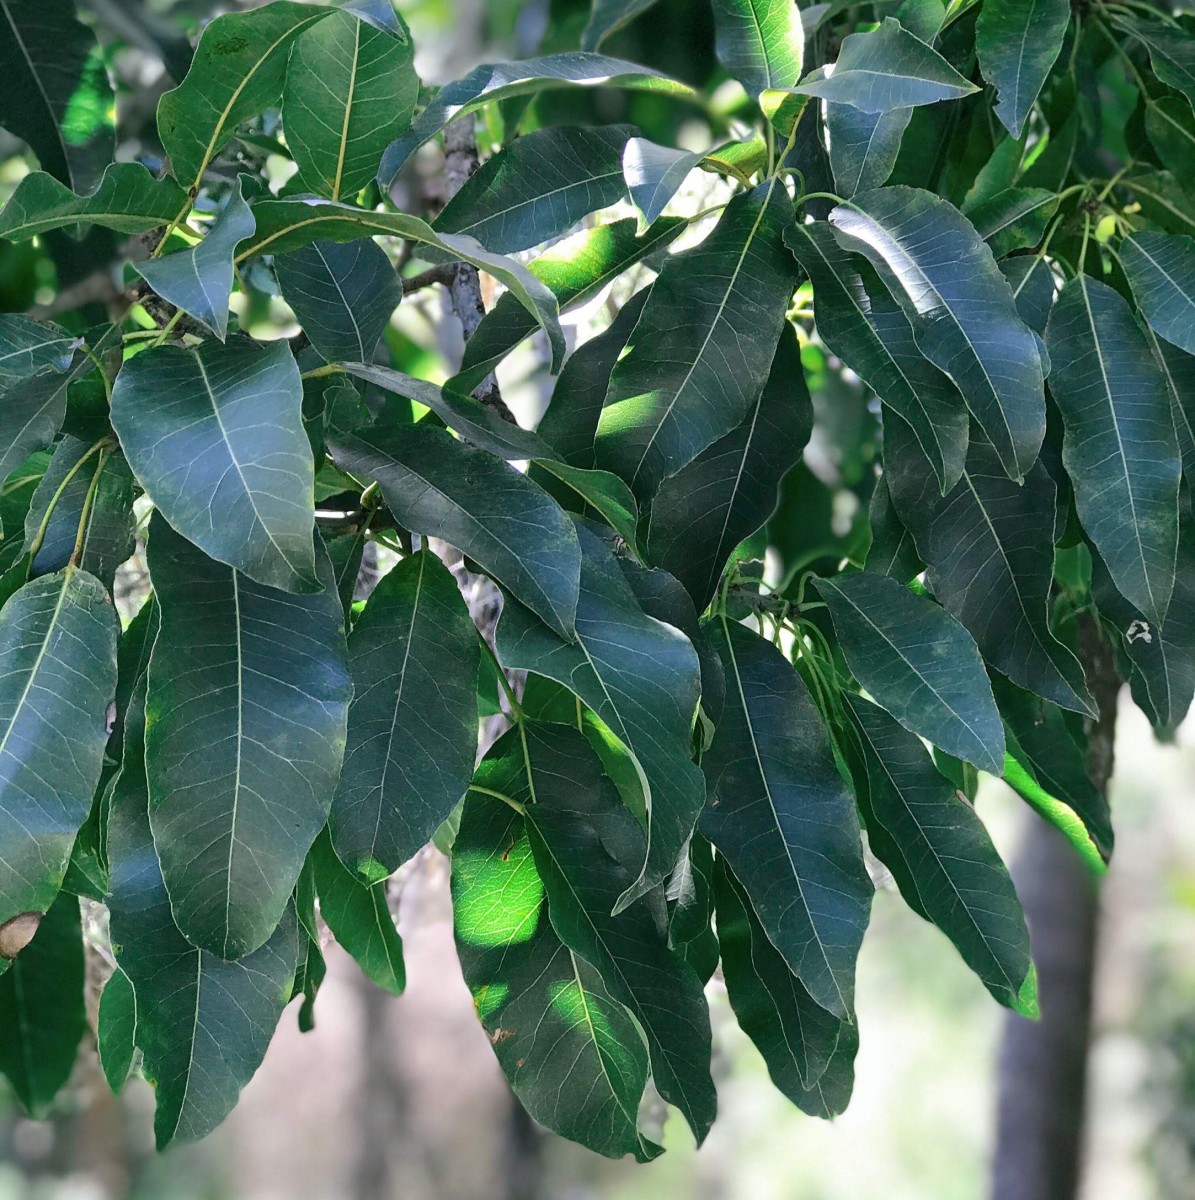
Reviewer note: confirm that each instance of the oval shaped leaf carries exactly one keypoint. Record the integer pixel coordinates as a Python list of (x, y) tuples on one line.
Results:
[(760, 42)]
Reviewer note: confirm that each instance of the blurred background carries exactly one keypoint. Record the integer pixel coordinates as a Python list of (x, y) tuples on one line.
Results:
[(402, 1097)]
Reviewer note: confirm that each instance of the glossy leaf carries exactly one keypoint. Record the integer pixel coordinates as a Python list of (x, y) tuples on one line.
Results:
[(1171, 51), (760, 42), (28, 347), (538, 187), (116, 1032), (58, 644), (960, 307), (412, 733), (246, 711), (783, 820), (441, 488), (1120, 447), (1013, 219), (654, 174), (703, 346), (214, 435), (350, 88), (1018, 42), (343, 295), (863, 146), (1161, 272)]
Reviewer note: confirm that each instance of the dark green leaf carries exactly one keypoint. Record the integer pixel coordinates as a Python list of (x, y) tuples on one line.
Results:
[(116, 1033), (863, 145), (28, 347), (246, 712), (941, 855), (1013, 219), (1161, 270), (780, 814), (885, 69), (641, 677), (42, 1016), (961, 309), (654, 173), (215, 436), (58, 645), (760, 42), (1170, 124), (313, 968), (343, 294), (1178, 368), (199, 280), (412, 735), (539, 186), (703, 346), (607, 17), (350, 88), (1120, 447), (1171, 51), (1018, 41)]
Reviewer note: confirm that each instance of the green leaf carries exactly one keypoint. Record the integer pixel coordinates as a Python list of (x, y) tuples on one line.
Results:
[(1161, 271), (760, 42), (539, 186), (572, 1054), (116, 1032), (609, 16), (42, 1015), (731, 488), (654, 174), (918, 662), (246, 713), (584, 882), (412, 734), (1018, 42), (939, 852), (199, 280), (1171, 51), (885, 69), (1170, 125), (56, 91), (284, 225), (214, 434), (350, 88), (809, 1053), (501, 81), (342, 294), (359, 917), (128, 199), (782, 818), (641, 677), (1013, 219), (865, 328), (989, 545), (863, 146), (703, 346), (58, 645), (312, 969), (575, 271), (436, 486), (961, 309), (1120, 447), (237, 73), (203, 1024), (28, 347), (1178, 368)]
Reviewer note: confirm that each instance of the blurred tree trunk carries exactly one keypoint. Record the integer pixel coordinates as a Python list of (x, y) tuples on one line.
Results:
[(1043, 1065)]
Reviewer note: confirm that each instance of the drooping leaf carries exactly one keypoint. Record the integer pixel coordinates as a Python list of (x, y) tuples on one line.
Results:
[(809, 1052), (291, 224), (607, 17), (782, 818), (1170, 125), (728, 491), (1120, 446), (960, 307), (246, 712), (56, 91), (918, 662), (1013, 219), (28, 347), (641, 677), (941, 855), (116, 1033), (58, 645), (1171, 51), (653, 174), (199, 280), (703, 345), (501, 81), (863, 146), (571, 1052), (868, 331), (760, 42), (1161, 271), (313, 967), (214, 435), (1178, 369), (438, 487), (42, 1015), (885, 69), (539, 186), (343, 294), (584, 882), (350, 88), (412, 734), (128, 199), (1018, 42), (359, 917)]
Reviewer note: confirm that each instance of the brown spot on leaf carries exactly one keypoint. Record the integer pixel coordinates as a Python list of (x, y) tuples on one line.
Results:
[(500, 1035), (17, 933)]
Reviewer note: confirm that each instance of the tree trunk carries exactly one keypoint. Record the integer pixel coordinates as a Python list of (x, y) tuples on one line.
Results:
[(1043, 1064)]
